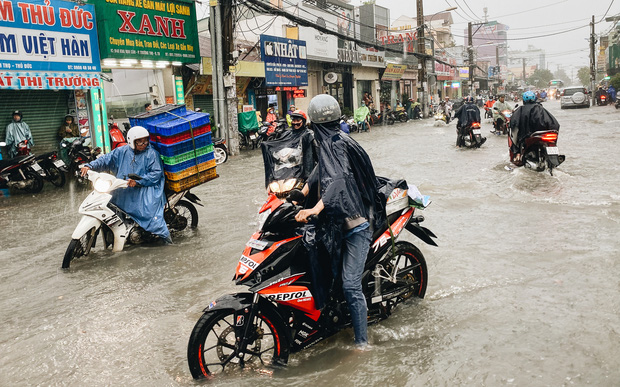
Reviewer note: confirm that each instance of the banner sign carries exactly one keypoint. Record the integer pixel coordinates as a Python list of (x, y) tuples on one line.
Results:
[(48, 35), (393, 72), (285, 61), (48, 81), (160, 30)]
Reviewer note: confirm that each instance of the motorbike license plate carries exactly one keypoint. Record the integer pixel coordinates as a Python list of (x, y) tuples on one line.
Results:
[(36, 167), (553, 150), (255, 244), (59, 163), (476, 131), (253, 137)]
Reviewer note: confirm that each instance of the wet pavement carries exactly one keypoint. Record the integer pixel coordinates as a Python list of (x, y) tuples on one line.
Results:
[(523, 288)]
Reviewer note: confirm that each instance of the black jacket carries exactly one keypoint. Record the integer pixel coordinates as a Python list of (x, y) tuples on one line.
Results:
[(531, 118), (467, 114), (292, 155)]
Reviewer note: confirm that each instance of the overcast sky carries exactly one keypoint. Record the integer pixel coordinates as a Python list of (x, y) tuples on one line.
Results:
[(527, 19)]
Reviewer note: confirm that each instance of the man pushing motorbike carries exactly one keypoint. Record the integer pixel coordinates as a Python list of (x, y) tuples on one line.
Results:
[(143, 200), (527, 119), (348, 205)]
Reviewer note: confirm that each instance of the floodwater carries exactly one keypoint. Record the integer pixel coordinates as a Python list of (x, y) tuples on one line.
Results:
[(523, 288)]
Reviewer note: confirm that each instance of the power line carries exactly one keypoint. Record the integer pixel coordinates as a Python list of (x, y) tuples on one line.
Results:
[(468, 7), (608, 8), (532, 37)]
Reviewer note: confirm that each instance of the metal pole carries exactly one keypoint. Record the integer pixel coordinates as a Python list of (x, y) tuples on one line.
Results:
[(592, 59), (470, 48), (422, 62), (219, 63), (215, 71)]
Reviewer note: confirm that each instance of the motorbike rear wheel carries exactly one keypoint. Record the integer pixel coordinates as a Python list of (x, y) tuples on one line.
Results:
[(184, 216), (213, 347), (56, 176), (221, 156), (79, 247), (37, 181), (390, 121), (411, 272)]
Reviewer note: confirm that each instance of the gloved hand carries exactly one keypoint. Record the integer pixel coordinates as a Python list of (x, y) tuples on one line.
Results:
[(295, 196)]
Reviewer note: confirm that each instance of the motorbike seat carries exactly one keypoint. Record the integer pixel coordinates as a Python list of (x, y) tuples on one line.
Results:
[(15, 160)]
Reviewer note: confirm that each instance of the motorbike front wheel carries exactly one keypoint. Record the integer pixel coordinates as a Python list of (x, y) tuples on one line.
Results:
[(79, 247), (403, 118), (56, 176), (390, 121), (213, 346)]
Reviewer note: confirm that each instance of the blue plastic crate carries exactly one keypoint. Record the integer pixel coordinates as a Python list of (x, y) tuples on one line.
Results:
[(170, 126), (189, 163), (157, 114), (183, 146)]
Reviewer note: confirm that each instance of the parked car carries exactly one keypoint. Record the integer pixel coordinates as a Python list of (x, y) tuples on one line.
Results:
[(574, 96)]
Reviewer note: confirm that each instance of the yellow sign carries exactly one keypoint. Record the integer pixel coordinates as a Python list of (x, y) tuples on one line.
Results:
[(242, 69), (393, 72)]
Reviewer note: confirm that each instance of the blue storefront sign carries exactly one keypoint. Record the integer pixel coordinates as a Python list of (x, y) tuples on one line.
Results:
[(285, 61), (48, 36)]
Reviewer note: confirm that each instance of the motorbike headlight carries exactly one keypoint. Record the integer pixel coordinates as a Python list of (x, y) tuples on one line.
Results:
[(262, 218), (274, 187), (102, 185), (289, 185)]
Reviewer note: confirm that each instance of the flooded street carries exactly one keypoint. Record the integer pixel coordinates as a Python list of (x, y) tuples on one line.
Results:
[(523, 288)]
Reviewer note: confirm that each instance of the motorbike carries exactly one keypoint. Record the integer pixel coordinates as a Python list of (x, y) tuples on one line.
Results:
[(220, 150), (539, 151), (504, 121), (20, 173), (377, 117), (602, 100), (277, 316), (440, 118), (401, 114), (47, 165), (79, 153), (617, 103), (488, 113), (98, 213), (117, 135), (471, 136), (345, 125)]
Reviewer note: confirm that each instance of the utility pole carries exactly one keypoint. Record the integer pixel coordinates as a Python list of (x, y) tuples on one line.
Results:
[(592, 59), (524, 80), (497, 68), (470, 48), (422, 60)]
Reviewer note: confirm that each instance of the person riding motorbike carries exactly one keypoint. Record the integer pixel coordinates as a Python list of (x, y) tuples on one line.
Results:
[(143, 200), (488, 106), (466, 115), (529, 118), (498, 108), (16, 132), (599, 93), (271, 118), (289, 119), (292, 155), (445, 109), (348, 205), (361, 115)]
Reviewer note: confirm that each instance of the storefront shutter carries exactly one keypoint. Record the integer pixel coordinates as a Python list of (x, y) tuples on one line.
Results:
[(43, 110), (205, 102)]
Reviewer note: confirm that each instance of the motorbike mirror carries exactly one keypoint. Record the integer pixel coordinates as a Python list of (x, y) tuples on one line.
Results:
[(516, 105), (133, 176), (84, 131)]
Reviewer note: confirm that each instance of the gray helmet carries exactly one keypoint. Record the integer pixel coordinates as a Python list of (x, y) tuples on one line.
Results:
[(324, 108)]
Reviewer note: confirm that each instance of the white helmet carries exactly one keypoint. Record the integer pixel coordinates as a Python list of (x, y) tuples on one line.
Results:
[(135, 133)]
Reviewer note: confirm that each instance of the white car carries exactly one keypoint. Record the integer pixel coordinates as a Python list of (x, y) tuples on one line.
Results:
[(574, 96)]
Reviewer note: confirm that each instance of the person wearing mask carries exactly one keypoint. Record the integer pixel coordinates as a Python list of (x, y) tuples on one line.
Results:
[(143, 200), (466, 115), (361, 117), (16, 132), (488, 107), (527, 119), (347, 203), (499, 121), (68, 128)]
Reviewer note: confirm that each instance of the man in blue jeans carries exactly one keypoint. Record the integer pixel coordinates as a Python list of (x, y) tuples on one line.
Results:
[(348, 205)]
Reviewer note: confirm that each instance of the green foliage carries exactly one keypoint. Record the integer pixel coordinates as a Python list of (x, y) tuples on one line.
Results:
[(615, 81), (561, 74), (404, 98), (347, 112), (540, 78)]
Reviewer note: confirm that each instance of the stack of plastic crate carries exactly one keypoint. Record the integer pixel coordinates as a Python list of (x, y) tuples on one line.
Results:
[(183, 139)]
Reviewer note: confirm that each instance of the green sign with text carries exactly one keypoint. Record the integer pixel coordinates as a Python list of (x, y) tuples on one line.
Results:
[(148, 30)]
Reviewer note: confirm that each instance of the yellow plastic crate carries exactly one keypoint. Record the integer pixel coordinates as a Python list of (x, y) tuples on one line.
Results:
[(176, 176), (191, 181)]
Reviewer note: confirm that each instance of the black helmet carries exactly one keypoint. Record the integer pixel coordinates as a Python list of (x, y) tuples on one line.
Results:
[(18, 113)]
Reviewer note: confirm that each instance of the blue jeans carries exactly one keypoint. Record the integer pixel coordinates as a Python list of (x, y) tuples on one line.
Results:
[(355, 250)]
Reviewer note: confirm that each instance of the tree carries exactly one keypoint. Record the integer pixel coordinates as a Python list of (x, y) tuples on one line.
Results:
[(583, 75), (540, 78), (615, 81), (561, 74)]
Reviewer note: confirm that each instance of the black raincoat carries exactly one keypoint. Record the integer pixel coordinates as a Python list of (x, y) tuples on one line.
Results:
[(528, 119), (467, 114), (291, 155), (345, 180)]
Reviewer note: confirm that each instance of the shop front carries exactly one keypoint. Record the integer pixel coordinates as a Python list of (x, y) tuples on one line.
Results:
[(144, 45), (49, 69), (366, 76), (390, 84)]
